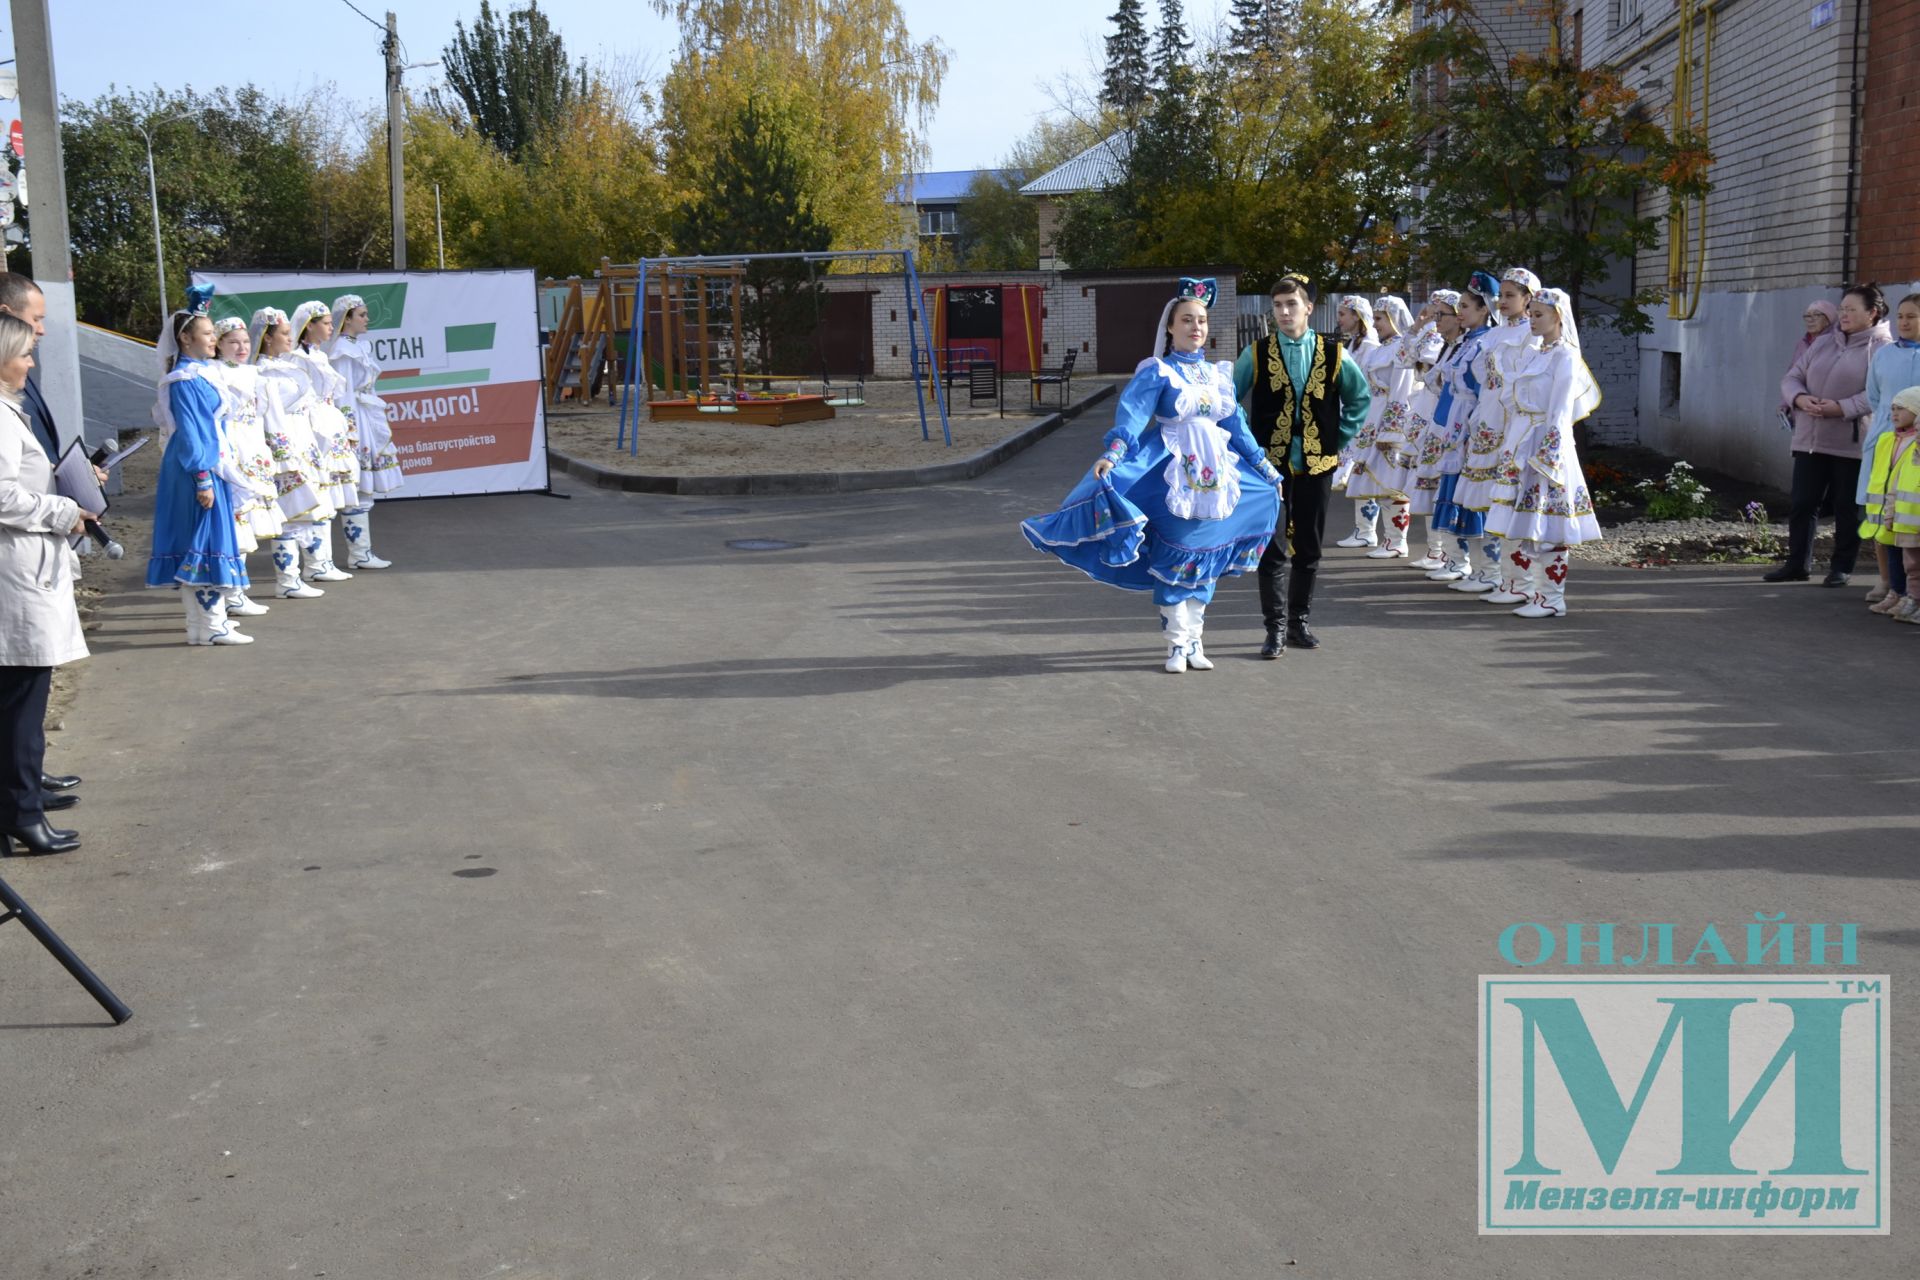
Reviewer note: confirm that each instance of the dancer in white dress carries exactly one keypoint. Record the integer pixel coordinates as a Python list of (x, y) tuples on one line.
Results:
[(299, 470), (1546, 506), (256, 509), (1444, 449), (380, 475), (1480, 472), (331, 415), (1443, 312), (1357, 331), (1393, 374)]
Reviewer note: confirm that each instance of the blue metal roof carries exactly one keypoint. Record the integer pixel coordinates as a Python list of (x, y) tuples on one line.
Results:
[(943, 186)]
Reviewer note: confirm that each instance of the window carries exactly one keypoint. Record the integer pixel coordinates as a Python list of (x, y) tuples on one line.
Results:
[(1625, 13), (939, 222), (1670, 383)]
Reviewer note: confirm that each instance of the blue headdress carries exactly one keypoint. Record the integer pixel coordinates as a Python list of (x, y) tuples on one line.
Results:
[(1483, 286), (1205, 291), (199, 299)]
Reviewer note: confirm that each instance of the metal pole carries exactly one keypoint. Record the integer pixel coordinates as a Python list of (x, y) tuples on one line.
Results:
[(439, 237), (159, 254), (396, 124)]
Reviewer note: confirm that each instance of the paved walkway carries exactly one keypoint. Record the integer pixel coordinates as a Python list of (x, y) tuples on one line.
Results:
[(584, 898)]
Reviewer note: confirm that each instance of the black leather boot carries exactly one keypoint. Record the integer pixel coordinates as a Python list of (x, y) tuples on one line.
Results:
[(1276, 642), (38, 838), (58, 801), (59, 781), (1299, 605)]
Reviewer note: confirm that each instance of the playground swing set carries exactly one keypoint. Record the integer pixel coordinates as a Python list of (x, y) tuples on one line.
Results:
[(695, 304)]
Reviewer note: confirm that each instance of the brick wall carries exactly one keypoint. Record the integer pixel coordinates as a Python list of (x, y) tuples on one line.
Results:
[(1889, 207)]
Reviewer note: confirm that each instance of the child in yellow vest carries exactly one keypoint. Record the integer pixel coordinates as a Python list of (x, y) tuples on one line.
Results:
[(1893, 500)]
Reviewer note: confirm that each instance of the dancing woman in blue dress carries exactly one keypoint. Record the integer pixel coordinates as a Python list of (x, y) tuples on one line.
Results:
[(1182, 496)]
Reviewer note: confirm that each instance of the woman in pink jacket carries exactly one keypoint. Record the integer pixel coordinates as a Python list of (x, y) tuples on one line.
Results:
[(1827, 389)]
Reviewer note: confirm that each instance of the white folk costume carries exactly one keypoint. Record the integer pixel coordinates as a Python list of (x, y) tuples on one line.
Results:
[(1366, 510), (1541, 499), (1420, 423), (1393, 376), (299, 470), (1442, 451), (331, 415), (380, 474), (243, 441), (1480, 471)]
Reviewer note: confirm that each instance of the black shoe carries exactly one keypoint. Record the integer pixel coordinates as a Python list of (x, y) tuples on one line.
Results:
[(1276, 643), (1300, 637), (57, 801), (38, 839), (59, 781), (1835, 579), (1786, 573)]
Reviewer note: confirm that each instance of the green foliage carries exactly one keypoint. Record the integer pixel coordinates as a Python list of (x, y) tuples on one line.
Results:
[(1680, 496), (511, 77), (1542, 162), (999, 227), (1125, 85), (756, 202)]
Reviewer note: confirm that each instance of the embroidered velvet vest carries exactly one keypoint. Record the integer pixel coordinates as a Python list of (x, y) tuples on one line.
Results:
[(1278, 405)]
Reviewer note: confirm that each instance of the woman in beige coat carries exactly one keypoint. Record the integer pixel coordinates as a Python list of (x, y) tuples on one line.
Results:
[(39, 626)]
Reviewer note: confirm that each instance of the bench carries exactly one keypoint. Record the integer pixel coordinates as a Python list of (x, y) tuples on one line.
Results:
[(1061, 377)]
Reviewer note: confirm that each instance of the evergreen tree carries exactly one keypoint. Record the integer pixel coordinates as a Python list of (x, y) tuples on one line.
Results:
[(756, 203), (1171, 45), (1255, 33), (1125, 86)]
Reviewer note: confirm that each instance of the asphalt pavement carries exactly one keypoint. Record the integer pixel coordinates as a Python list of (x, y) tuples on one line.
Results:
[(586, 898)]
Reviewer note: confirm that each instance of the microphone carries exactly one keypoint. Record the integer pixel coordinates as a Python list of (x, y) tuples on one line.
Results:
[(113, 549)]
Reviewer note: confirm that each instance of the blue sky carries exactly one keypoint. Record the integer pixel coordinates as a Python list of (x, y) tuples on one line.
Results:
[(1002, 50)]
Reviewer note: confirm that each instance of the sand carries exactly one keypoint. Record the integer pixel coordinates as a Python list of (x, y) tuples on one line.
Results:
[(881, 436)]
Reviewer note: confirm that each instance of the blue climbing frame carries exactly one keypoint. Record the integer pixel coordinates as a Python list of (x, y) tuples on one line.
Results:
[(636, 395)]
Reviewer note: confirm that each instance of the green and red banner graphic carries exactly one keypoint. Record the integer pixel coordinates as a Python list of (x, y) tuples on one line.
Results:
[(460, 366)]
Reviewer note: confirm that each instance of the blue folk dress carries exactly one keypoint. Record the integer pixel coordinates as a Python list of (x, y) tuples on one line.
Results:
[(1119, 529), (193, 545), (1456, 408)]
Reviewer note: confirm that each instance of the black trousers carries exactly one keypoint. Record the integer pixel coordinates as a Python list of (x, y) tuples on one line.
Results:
[(1817, 478), (1292, 560), (23, 727)]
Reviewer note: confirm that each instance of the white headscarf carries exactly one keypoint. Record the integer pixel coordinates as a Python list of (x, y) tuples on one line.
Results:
[(1364, 309), (304, 314), (1402, 318), (1446, 298), (1522, 277), (264, 319), (343, 306), (1586, 391)]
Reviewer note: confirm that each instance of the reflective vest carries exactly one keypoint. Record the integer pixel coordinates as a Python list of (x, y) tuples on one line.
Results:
[(1893, 490)]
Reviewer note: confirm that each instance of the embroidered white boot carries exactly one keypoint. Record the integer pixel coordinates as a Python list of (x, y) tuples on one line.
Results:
[(1512, 585), (1366, 515), (1395, 547), (1173, 623), (286, 571), (1485, 574), (211, 627), (1455, 562), (1197, 659), (1549, 599), (240, 605), (1436, 556), (357, 525), (316, 553)]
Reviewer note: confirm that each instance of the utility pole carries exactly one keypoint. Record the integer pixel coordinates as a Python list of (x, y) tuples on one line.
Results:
[(58, 357), (396, 127)]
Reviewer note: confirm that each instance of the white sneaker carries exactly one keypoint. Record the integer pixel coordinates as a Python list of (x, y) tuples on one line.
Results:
[(1879, 593)]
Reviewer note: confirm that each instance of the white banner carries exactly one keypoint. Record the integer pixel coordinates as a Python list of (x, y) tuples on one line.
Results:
[(460, 366)]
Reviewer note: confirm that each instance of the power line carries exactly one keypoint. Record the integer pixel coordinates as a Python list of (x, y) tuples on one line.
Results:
[(363, 13)]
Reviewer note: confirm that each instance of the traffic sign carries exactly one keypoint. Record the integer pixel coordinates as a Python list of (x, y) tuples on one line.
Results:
[(17, 139)]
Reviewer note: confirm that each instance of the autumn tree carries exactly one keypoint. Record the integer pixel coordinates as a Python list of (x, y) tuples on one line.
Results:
[(999, 227), (851, 85), (509, 76), (1545, 162)]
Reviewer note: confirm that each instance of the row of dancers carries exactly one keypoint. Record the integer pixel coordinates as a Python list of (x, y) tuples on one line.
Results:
[(1471, 427), (273, 433), (1464, 414)]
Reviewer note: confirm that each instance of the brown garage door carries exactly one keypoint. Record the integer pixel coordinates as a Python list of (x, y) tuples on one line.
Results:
[(1123, 319)]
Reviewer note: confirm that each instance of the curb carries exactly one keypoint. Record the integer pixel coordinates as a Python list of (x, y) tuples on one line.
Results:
[(804, 482)]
